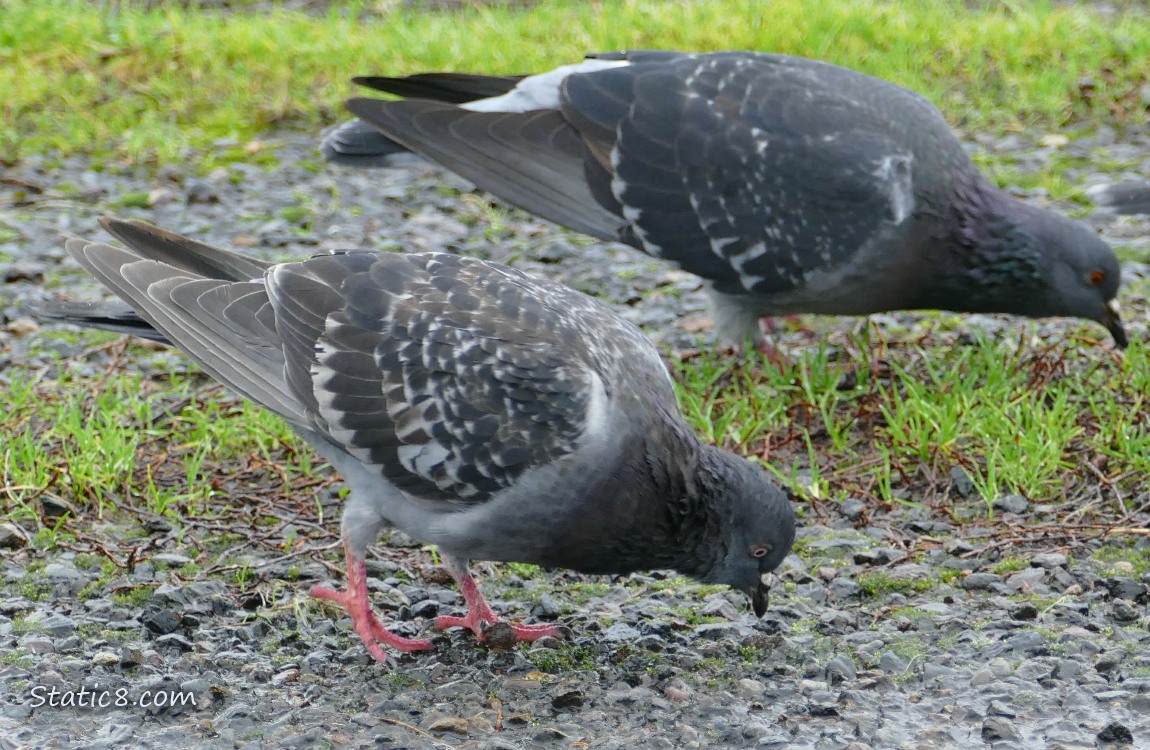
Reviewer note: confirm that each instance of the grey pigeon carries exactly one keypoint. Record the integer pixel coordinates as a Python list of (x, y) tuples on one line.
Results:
[(494, 414), (789, 185), (1129, 197)]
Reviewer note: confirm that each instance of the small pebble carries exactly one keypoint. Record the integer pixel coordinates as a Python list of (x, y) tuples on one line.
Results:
[(1016, 504)]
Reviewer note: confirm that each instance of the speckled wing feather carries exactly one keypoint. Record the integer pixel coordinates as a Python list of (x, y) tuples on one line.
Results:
[(448, 376), (740, 171), (445, 374)]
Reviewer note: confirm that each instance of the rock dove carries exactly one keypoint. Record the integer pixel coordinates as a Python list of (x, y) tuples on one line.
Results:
[(789, 185), (1130, 197), (494, 414)]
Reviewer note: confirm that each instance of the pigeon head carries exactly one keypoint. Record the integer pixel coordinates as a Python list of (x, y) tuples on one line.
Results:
[(756, 526), (1084, 277), (1028, 261), (1080, 272)]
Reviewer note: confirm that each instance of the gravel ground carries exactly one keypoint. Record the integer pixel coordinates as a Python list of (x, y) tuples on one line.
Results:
[(895, 629)]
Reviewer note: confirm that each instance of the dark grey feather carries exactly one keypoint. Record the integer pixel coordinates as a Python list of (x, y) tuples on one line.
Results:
[(453, 88), (175, 250), (532, 160)]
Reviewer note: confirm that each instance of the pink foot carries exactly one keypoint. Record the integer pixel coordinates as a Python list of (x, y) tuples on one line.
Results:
[(355, 602), (772, 354), (771, 327), (479, 615)]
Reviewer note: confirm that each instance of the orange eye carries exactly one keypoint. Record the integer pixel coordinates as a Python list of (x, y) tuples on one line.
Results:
[(760, 551), (1096, 278)]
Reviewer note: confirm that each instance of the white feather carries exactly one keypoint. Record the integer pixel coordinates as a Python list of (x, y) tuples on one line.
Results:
[(538, 91), (896, 170)]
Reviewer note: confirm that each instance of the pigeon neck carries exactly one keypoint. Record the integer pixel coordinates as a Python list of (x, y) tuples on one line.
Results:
[(699, 508), (671, 517), (995, 262)]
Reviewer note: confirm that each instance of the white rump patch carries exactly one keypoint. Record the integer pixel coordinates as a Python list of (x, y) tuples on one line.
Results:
[(897, 173), (538, 91)]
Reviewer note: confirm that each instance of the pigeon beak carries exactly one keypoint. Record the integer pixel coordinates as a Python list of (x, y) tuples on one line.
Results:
[(1113, 323), (759, 597)]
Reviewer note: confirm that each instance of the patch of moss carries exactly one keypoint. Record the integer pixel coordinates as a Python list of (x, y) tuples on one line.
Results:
[(566, 657), (134, 597), (1011, 565), (878, 584), (135, 199)]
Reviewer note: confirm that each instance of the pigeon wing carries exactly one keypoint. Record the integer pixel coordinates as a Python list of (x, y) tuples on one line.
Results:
[(742, 173), (448, 376)]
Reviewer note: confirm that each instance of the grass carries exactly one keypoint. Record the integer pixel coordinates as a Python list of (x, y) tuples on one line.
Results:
[(1021, 421), (155, 82), (566, 657), (1137, 560), (880, 584), (153, 442)]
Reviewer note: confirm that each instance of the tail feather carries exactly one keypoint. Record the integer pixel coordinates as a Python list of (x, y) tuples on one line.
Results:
[(197, 314), (356, 143), (533, 160), (153, 243), (453, 88), (147, 242), (114, 316)]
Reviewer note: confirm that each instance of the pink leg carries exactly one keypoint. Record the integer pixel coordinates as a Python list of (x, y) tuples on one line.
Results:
[(356, 604), (770, 326), (773, 355), (479, 612), (767, 347)]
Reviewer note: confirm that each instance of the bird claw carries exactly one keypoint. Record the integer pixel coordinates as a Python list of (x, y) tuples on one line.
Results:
[(370, 630), (355, 602), (479, 625), (480, 618)]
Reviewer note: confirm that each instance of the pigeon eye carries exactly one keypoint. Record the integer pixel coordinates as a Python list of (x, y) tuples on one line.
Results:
[(760, 551), (1096, 278)]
